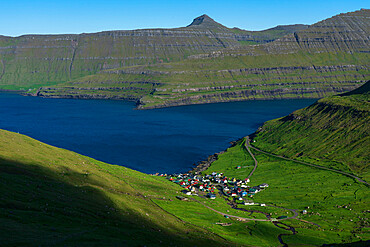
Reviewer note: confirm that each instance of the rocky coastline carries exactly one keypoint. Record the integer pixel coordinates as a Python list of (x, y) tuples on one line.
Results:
[(205, 164)]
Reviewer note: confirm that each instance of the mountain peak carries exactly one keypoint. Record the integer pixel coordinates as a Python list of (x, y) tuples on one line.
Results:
[(204, 21)]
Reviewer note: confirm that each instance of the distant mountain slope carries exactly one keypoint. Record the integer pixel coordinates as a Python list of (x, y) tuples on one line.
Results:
[(54, 197), (31, 60), (345, 32), (333, 131), (327, 58)]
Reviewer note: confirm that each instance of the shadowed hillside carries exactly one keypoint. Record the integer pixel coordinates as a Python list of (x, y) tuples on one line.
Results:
[(54, 197)]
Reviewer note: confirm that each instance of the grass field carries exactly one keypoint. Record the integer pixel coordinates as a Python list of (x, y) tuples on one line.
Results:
[(335, 202)]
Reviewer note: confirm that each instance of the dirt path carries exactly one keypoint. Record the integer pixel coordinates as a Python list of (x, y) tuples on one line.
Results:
[(304, 163)]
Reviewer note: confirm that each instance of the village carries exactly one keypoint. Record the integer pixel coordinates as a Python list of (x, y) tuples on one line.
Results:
[(205, 186)]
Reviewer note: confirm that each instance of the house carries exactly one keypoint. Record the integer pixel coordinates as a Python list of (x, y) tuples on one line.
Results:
[(211, 196), (238, 167), (304, 211), (249, 203), (263, 205), (264, 185), (233, 193), (186, 192), (182, 198)]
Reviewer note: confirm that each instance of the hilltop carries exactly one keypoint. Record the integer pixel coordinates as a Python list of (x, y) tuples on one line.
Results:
[(324, 59)]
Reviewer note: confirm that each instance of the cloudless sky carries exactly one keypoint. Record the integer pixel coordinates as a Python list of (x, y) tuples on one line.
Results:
[(19, 17)]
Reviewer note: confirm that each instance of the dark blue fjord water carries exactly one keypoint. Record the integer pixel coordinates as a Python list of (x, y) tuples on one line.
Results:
[(162, 140)]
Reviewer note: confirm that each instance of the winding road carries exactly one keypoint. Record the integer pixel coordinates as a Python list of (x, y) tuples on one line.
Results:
[(250, 219), (247, 145), (295, 213)]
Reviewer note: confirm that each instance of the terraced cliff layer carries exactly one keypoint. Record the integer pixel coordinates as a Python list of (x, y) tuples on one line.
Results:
[(326, 58), (333, 131), (31, 60)]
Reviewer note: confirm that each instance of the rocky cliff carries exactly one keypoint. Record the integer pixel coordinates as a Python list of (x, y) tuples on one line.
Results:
[(204, 62), (31, 60)]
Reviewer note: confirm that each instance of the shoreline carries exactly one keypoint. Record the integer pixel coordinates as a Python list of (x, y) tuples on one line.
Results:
[(203, 165), (141, 107)]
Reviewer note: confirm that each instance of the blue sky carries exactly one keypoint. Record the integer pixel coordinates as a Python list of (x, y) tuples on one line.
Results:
[(19, 17)]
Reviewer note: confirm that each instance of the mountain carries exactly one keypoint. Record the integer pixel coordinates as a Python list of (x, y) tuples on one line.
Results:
[(333, 132), (204, 21), (30, 61), (327, 58)]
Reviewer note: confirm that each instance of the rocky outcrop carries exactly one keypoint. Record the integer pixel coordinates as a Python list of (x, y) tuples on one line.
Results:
[(242, 95)]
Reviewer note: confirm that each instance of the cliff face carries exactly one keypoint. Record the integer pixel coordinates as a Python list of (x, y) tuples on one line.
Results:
[(204, 62), (345, 32), (31, 60)]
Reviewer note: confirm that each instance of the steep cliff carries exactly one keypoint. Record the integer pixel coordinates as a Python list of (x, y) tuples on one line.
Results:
[(31, 60), (324, 59)]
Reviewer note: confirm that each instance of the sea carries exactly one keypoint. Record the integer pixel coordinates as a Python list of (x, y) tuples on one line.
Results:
[(167, 140)]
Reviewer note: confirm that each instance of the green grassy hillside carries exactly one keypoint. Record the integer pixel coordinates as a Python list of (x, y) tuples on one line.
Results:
[(336, 204), (54, 197), (327, 58), (334, 131)]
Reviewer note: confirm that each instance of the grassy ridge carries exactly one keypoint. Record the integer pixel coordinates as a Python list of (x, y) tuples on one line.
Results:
[(334, 131)]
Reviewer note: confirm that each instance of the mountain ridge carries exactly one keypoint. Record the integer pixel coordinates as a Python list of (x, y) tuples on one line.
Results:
[(195, 65)]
